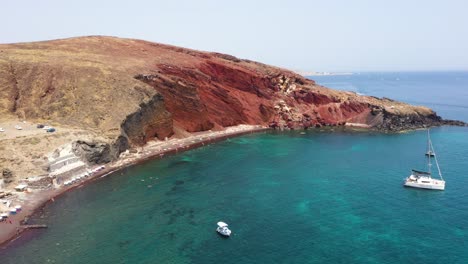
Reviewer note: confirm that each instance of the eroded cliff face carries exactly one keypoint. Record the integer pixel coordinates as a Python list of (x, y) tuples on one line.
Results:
[(150, 121), (133, 91)]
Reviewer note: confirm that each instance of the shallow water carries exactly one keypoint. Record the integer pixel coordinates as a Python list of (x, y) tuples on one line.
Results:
[(289, 198)]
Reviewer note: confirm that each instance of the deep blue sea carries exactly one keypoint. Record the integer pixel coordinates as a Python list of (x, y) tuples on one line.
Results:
[(322, 197)]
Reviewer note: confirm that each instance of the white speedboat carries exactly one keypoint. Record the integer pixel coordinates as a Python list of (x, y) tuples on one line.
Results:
[(423, 179), (223, 229)]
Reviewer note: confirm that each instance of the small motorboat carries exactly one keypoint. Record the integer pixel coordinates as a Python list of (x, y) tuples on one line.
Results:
[(223, 229)]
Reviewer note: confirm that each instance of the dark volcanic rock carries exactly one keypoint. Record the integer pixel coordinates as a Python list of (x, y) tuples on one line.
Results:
[(100, 152), (392, 122), (93, 152), (453, 123), (120, 145)]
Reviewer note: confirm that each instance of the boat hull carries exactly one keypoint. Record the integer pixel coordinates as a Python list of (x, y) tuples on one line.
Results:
[(424, 183), (223, 232), (223, 235), (438, 186)]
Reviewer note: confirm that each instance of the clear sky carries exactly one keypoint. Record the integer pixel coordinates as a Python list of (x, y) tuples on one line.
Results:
[(328, 35)]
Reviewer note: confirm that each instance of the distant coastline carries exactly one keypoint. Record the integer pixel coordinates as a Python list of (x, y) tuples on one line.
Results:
[(312, 73)]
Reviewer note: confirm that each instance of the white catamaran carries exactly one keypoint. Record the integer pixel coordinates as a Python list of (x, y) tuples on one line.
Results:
[(423, 179)]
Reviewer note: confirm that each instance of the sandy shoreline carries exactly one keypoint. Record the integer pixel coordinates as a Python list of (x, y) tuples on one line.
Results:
[(37, 200)]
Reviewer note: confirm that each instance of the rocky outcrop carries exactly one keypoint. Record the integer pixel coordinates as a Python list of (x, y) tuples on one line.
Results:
[(99, 152), (94, 152), (448, 122), (120, 145), (393, 122)]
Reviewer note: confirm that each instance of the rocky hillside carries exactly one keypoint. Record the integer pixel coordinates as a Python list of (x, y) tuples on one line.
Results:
[(132, 91)]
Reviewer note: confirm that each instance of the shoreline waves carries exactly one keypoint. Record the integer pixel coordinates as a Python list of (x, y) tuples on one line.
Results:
[(10, 232)]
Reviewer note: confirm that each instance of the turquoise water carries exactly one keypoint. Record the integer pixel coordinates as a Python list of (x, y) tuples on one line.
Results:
[(323, 197), (289, 198)]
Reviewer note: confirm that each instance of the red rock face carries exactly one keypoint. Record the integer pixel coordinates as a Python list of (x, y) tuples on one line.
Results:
[(313, 98), (182, 98), (216, 93), (237, 78)]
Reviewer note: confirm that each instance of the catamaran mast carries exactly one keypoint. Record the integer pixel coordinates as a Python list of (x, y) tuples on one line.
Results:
[(437, 163), (429, 153), (431, 148)]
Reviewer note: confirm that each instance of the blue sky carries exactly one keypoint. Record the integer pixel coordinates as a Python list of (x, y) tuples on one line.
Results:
[(360, 35)]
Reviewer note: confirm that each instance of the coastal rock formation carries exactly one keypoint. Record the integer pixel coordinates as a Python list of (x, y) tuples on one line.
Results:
[(99, 152), (132, 91), (93, 152)]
